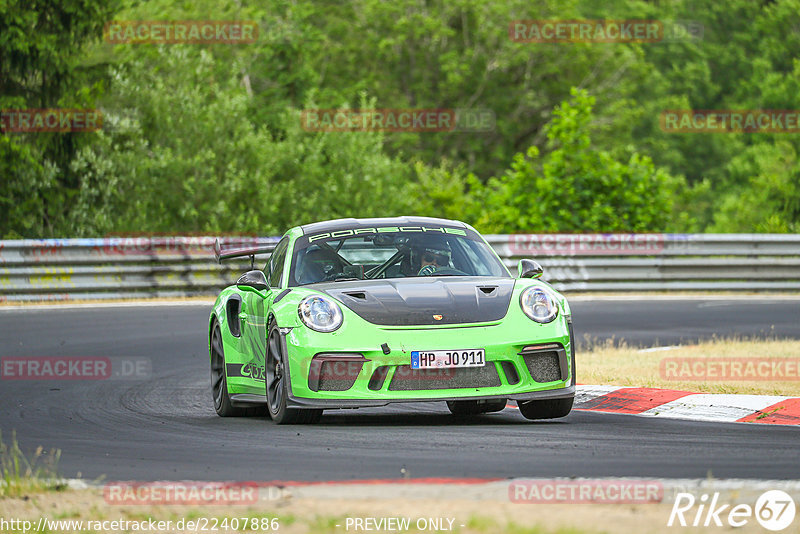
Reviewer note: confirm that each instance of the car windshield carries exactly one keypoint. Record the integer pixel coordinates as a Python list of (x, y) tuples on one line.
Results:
[(372, 253)]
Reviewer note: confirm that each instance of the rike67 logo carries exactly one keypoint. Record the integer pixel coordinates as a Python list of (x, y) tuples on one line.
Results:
[(774, 510)]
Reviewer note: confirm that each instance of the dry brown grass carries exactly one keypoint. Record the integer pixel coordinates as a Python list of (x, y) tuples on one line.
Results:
[(631, 366)]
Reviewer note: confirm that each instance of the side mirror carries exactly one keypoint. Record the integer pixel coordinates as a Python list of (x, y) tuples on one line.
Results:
[(254, 281), (529, 269)]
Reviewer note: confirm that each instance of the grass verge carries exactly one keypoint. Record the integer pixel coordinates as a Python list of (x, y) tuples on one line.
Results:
[(678, 367), (20, 475), (301, 515)]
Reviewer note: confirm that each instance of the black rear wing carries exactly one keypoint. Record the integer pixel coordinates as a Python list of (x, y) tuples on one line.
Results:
[(244, 249)]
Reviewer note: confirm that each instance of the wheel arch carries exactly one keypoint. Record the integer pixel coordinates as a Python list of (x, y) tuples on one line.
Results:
[(212, 320)]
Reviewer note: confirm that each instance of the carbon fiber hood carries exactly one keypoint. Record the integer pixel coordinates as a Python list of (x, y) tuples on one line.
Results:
[(419, 301)]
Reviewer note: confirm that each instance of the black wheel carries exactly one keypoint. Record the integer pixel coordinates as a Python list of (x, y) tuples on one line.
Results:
[(546, 409), (219, 382), (277, 389), (475, 407)]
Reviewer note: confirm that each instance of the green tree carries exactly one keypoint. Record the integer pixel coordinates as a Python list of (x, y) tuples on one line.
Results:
[(182, 153), (40, 46), (575, 187), (403, 54), (768, 199)]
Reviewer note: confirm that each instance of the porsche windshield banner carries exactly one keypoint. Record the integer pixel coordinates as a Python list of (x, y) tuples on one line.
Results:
[(352, 232)]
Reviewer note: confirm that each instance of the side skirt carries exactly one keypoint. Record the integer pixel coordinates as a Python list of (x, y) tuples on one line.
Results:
[(245, 400)]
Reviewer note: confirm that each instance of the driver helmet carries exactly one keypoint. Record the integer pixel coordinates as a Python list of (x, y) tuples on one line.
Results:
[(430, 249)]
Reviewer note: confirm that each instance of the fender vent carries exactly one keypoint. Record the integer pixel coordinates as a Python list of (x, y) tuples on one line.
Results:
[(488, 290), (360, 295), (232, 309)]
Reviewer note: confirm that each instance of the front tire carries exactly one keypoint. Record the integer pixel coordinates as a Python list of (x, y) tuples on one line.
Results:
[(276, 383), (546, 409)]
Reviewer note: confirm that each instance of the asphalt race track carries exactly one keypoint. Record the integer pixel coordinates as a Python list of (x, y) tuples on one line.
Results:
[(164, 427)]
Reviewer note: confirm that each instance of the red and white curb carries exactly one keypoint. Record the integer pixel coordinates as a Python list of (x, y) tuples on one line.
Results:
[(764, 409)]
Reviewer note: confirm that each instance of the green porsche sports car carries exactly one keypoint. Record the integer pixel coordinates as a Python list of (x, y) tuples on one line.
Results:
[(364, 312)]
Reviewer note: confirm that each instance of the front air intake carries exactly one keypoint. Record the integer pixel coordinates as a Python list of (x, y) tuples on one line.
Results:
[(545, 363), (407, 379), (334, 372)]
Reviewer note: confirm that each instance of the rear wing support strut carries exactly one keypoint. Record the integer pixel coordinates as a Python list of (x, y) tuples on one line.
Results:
[(251, 252)]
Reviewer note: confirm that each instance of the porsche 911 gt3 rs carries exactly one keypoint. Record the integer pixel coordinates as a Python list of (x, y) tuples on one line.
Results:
[(365, 312)]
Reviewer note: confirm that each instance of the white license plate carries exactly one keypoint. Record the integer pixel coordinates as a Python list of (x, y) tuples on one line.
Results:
[(444, 359)]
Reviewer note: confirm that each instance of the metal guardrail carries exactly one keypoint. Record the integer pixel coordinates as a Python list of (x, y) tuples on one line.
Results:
[(659, 262), (70, 269), (113, 268)]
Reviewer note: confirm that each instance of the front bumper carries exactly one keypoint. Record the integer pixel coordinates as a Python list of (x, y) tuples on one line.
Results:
[(333, 404), (368, 376)]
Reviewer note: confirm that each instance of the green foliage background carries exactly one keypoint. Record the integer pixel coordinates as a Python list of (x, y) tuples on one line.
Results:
[(207, 138)]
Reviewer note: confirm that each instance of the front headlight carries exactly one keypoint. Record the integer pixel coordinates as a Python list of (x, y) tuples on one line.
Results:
[(320, 313), (538, 304)]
